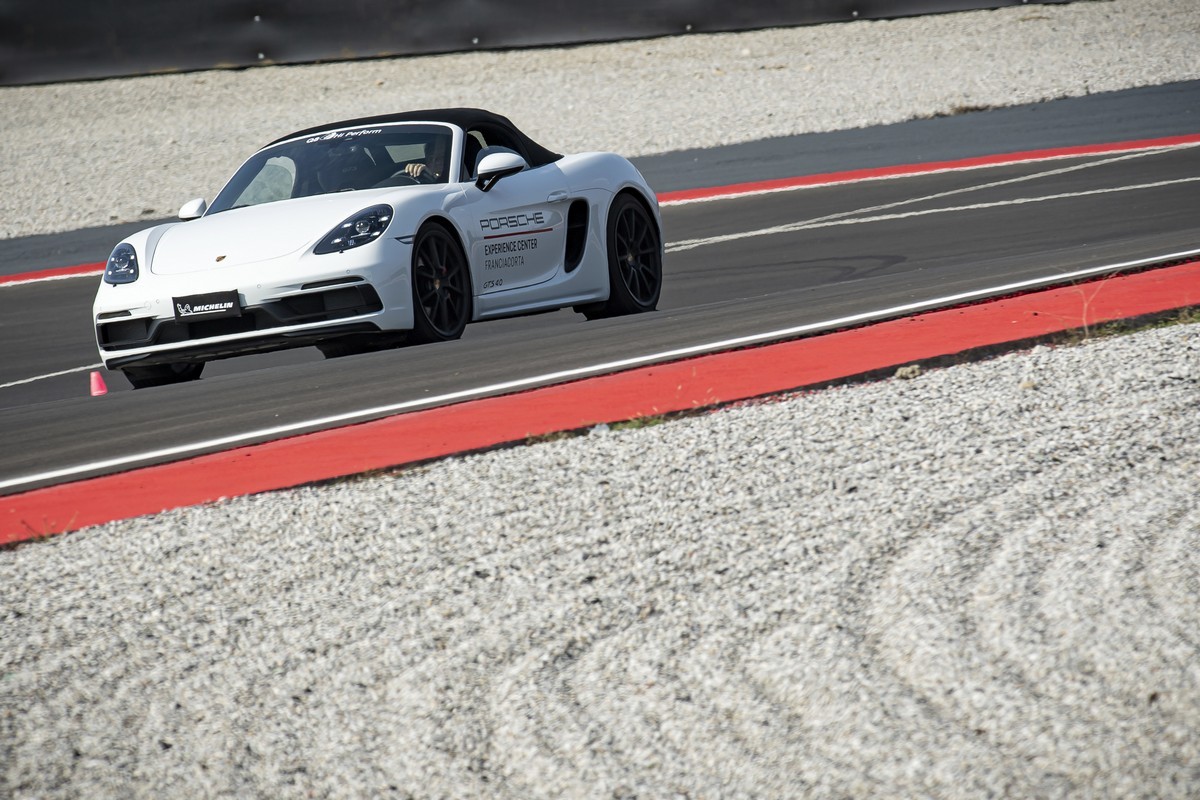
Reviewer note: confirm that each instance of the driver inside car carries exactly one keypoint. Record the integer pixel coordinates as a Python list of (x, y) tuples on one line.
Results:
[(435, 167)]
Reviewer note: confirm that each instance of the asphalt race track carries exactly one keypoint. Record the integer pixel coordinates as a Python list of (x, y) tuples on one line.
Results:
[(735, 267)]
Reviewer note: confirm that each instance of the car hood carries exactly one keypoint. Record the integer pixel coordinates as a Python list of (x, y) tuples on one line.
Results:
[(256, 233)]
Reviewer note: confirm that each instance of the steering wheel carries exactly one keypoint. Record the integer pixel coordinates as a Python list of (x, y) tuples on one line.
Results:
[(426, 176), (400, 178)]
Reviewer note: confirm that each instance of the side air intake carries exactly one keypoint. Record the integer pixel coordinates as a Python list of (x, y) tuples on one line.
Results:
[(577, 228)]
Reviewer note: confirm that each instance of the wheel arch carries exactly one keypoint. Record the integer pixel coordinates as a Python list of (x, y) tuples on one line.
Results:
[(421, 331), (638, 194), (447, 223), (451, 227), (650, 207), (628, 287)]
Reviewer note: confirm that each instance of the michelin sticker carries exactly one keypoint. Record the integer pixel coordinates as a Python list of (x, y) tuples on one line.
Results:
[(214, 304), (189, 310)]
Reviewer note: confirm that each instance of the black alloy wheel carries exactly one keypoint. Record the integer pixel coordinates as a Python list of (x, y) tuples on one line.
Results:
[(634, 261), (441, 285)]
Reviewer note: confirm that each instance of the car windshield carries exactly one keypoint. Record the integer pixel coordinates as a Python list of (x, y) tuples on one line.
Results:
[(340, 161)]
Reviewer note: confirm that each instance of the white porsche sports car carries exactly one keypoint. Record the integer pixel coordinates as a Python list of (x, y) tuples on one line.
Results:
[(378, 231)]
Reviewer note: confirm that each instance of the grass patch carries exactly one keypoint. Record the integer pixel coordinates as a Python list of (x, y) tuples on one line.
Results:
[(640, 422), (959, 110), (553, 436), (1124, 327)]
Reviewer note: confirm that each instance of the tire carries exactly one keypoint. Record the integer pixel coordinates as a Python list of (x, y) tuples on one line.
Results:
[(162, 374), (441, 286), (634, 261)]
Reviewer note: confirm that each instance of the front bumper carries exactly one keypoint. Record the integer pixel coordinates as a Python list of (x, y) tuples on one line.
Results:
[(282, 305), (226, 347), (120, 330)]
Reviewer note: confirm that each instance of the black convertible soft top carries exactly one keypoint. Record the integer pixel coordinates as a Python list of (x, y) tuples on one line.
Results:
[(465, 118)]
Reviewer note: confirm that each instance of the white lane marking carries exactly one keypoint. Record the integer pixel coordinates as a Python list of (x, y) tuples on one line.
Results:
[(24, 281), (580, 372), (689, 244), (740, 194), (51, 375), (829, 222), (730, 195), (852, 217)]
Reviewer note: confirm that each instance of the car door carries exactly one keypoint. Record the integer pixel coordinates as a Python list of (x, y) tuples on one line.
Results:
[(517, 229)]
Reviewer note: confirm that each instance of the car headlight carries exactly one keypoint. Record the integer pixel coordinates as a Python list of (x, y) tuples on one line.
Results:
[(122, 265), (363, 228)]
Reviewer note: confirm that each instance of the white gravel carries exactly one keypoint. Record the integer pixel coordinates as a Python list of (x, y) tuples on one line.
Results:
[(83, 154), (980, 582)]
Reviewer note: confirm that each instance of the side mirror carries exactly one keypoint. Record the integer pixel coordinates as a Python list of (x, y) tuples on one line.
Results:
[(193, 208), (495, 166)]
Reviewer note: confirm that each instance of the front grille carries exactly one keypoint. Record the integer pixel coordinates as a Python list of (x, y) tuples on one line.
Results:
[(348, 301), (337, 303), (124, 333)]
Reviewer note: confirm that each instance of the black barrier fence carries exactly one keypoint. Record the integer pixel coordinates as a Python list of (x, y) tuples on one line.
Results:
[(83, 39)]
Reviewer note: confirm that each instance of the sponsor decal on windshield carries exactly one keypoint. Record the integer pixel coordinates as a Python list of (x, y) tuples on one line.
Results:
[(325, 137)]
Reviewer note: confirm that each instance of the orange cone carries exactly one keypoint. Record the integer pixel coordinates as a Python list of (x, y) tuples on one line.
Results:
[(98, 387)]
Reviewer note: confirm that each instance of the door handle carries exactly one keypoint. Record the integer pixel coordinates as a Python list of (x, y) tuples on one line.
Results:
[(557, 197)]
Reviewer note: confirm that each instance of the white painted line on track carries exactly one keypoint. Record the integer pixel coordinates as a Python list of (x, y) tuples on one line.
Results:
[(848, 217), (830, 223), (579, 372), (737, 194), (46, 278), (845, 217), (51, 375), (740, 193)]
